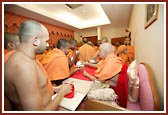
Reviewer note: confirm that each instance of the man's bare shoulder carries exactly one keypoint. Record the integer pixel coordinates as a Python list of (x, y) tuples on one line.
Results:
[(18, 63)]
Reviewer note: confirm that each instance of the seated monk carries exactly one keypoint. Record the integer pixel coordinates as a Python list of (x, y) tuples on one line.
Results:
[(86, 51), (56, 62), (126, 51), (73, 54), (108, 68), (96, 56), (11, 42)]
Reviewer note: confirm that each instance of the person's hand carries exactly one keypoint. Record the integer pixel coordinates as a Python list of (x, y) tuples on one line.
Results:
[(85, 73), (77, 52), (66, 88), (57, 88)]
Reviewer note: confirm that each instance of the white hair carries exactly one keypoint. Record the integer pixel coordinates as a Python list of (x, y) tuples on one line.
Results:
[(106, 48)]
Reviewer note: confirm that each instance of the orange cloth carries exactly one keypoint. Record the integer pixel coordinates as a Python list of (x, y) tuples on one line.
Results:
[(86, 52), (47, 57), (49, 83), (6, 51), (7, 55), (127, 57), (96, 48), (56, 65), (108, 67), (39, 56)]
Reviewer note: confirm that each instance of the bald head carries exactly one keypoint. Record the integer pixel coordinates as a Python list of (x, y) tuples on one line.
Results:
[(11, 41), (105, 49), (85, 40), (104, 40), (29, 29)]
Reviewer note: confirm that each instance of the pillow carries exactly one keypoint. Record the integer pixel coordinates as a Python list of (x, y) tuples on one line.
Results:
[(133, 82), (132, 72)]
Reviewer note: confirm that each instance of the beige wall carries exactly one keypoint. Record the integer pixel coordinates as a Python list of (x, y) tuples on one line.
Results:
[(105, 32), (149, 44)]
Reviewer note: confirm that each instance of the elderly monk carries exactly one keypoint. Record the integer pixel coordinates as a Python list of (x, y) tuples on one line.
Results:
[(56, 62), (86, 51), (126, 51), (109, 67), (25, 82), (11, 42), (96, 56)]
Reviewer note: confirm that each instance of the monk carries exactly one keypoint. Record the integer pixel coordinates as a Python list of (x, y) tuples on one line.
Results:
[(11, 42), (73, 54), (86, 51), (96, 57), (56, 62), (25, 82), (126, 51), (108, 68)]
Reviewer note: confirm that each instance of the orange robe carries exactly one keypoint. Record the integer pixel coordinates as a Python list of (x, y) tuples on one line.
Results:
[(96, 48), (108, 67), (56, 65), (87, 52), (6, 51), (48, 84), (39, 56), (127, 57)]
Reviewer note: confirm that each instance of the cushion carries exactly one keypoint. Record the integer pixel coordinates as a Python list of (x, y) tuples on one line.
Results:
[(134, 106), (133, 82), (132, 72), (146, 96)]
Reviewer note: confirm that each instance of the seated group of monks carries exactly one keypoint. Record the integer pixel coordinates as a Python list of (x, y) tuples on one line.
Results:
[(43, 70)]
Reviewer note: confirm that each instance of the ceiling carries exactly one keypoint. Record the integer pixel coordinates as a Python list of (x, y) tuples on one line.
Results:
[(76, 16)]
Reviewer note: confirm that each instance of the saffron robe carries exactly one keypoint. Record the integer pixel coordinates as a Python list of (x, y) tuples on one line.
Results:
[(6, 51), (87, 52), (56, 65), (127, 56), (108, 67)]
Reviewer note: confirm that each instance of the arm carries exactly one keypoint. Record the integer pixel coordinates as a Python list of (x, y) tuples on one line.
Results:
[(93, 78), (74, 70), (27, 86), (90, 64), (73, 58)]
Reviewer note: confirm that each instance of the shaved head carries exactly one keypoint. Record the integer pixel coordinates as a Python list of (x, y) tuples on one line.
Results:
[(29, 29), (10, 38)]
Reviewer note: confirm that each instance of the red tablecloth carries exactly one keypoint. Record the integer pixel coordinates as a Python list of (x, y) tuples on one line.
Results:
[(79, 74)]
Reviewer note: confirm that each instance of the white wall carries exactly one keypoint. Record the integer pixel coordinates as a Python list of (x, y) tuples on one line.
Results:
[(149, 44)]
